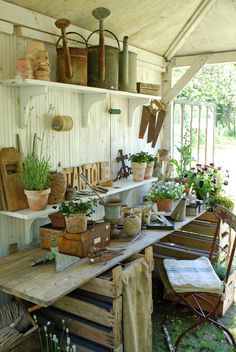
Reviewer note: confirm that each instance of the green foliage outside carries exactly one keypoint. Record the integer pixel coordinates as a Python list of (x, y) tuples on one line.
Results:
[(215, 84)]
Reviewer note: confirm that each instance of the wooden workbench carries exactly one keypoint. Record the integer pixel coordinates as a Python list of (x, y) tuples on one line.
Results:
[(42, 285)]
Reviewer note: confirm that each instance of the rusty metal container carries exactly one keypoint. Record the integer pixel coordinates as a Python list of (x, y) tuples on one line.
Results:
[(71, 61), (103, 60), (111, 80), (127, 69)]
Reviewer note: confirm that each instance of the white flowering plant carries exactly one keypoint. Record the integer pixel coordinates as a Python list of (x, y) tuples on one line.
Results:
[(165, 190)]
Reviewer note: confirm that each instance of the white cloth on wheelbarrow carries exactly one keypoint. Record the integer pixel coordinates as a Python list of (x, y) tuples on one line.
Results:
[(195, 275)]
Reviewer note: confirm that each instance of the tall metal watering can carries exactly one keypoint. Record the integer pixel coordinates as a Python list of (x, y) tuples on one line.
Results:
[(127, 69), (71, 62), (103, 60)]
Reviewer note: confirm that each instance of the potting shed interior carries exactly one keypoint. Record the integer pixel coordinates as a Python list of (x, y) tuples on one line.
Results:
[(85, 121)]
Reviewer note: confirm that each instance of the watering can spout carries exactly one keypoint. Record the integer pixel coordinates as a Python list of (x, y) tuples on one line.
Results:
[(62, 24), (125, 68)]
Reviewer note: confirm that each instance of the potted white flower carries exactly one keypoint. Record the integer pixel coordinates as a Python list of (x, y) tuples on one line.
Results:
[(164, 193)]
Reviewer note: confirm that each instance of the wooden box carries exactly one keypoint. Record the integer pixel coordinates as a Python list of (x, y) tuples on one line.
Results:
[(76, 243), (148, 88)]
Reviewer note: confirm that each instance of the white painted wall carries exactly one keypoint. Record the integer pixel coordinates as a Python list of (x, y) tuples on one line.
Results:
[(100, 141)]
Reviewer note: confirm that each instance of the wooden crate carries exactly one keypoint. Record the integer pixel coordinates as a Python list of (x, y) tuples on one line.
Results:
[(224, 305), (76, 243), (93, 313)]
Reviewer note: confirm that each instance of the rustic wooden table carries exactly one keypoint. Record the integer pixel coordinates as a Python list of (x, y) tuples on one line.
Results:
[(42, 285)]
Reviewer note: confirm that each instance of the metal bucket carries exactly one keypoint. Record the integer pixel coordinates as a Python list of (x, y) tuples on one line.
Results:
[(127, 69), (78, 59), (111, 80)]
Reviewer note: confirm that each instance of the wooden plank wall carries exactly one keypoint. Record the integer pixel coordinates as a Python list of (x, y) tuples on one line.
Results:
[(100, 141)]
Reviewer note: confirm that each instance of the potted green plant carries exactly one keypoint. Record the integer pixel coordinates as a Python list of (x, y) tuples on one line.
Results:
[(221, 199), (36, 179), (76, 213), (163, 193), (138, 165), (151, 159)]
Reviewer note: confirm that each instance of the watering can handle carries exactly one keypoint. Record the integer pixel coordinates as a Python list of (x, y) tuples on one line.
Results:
[(66, 62), (62, 24), (102, 50)]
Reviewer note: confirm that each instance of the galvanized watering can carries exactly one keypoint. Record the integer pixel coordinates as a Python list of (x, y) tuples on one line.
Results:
[(71, 62), (103, 60), (127, 69)]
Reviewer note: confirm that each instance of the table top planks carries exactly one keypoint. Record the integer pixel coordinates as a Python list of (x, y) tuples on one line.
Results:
[(41, 284)]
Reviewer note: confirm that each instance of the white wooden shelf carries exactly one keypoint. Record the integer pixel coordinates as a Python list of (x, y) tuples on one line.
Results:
[(33, 87), (119, 186)]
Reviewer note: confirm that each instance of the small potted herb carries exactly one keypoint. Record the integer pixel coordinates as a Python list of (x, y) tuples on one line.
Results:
[(163, 193), (36, 179), (76, 213), (138, 165)]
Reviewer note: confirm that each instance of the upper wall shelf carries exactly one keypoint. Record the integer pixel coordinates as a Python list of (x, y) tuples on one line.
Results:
[(33, 87)]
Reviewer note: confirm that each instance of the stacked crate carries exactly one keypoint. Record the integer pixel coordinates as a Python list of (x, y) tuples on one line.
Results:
[(93, 313)]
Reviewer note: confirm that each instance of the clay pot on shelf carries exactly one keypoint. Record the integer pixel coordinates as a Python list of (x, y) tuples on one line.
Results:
[(37, 200), (138, 171), (149, 170), (164, 205), (76, 223)]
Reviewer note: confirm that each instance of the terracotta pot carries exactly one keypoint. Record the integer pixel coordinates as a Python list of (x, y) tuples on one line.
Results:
[(149, 170), (164, 205), (138, 171), (76, 223), (37, 200)]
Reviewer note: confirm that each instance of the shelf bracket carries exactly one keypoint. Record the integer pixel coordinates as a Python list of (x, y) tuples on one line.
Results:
[(25, 94), (133, 104), (87, 102)]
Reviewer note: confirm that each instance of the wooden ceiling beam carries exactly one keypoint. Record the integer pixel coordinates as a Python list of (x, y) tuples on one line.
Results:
[(172, 93), (189, 27), (217, 58)]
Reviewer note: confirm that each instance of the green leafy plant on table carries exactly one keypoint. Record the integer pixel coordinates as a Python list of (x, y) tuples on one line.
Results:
[(78, 207), (182, 165), (222, 199)]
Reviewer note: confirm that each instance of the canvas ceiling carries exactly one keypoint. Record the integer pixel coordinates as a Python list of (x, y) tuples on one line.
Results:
[(151, 24)]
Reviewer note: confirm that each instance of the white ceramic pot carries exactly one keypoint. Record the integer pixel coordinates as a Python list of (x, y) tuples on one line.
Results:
[(138, 171)]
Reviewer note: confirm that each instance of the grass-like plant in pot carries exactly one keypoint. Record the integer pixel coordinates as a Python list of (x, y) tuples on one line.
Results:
[(138, 165), (76, 213), (36, 179), (163, 193)]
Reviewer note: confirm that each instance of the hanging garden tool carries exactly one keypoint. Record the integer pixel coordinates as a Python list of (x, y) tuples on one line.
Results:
[(159, 121), (149, 120), (71, 62), (103, 60)]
